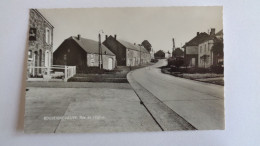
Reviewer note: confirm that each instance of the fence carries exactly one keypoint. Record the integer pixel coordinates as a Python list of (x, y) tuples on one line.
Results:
[(53, 73)]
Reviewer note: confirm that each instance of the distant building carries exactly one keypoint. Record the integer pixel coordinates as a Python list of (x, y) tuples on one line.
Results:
[(127, 54), (206, 56), (159, 54), (40, 43), (152, 54), (83, 53), (191, 49), (168, 54)]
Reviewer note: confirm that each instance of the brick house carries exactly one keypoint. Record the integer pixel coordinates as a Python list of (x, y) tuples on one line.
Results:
[(206, 56), (40, 43), (83, 53), (127, 54), (191, 49)]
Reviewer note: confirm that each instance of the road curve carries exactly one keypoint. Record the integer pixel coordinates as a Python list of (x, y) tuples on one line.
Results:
[(201, 104)]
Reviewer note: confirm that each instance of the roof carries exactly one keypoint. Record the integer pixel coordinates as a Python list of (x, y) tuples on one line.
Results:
[(132, 46), (197, 39), (91, 46), (219, 33), (214, 37)]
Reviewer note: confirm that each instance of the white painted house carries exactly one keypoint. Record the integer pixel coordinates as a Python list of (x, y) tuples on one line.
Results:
[(206, 56)]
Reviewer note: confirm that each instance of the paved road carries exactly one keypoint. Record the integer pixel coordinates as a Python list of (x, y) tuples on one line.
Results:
[(201, 104)]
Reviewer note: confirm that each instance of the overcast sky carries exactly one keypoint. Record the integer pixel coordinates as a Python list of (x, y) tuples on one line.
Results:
[(157, 25)]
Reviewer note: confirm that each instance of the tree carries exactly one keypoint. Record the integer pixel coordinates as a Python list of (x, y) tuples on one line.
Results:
[(205, 59), (147, 45), (218, 49), (159, 54), (177, 52)]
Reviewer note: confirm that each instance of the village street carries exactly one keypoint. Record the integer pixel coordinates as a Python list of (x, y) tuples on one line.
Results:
[(200, 104), (169, 103)]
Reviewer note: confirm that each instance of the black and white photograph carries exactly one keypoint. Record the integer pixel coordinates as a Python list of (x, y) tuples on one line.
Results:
[(130, 69)]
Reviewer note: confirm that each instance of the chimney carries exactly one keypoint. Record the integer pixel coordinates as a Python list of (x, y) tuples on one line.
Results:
[(198, 33), (106, 37), (212, 31), (115, 36), (78, 36)]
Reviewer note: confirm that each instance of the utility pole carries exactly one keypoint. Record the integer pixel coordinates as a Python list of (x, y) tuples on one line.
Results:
[(100, 58), (99, 50), (140, 54)]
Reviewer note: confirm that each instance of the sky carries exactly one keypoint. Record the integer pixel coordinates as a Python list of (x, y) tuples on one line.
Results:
[(158, 25)]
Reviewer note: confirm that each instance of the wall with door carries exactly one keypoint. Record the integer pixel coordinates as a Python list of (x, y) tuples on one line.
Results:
[(40, 42)]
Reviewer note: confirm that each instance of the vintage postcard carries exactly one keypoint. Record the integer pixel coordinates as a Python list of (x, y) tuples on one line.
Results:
[(125, 70)]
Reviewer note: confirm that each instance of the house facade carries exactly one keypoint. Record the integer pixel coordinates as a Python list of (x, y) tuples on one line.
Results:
[(191, 49), (40, 44), (206, 56), (127, 54), (168, 54), (84, 54), (152, 54)]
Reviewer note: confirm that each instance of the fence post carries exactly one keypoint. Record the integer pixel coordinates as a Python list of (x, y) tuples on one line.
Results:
[(74, 70), (65, 74), (48, 71)]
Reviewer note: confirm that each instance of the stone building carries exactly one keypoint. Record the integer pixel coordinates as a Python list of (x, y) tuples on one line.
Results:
[(191, 49), (127, 54), (84, 54), (40, 43)]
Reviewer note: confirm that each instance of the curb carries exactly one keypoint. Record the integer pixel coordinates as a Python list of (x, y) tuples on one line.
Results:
[(165, 117)]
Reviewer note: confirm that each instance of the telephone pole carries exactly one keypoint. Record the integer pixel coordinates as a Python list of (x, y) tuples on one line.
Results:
[(100, 58)]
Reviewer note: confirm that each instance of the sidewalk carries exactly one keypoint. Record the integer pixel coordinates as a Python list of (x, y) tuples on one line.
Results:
[(105, 107)]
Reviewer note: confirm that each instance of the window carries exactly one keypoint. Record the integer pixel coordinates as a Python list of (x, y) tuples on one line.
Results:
[(32, 34), (92, 61), (65, 57), (48, 36), (200, 49), (30, 54)]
